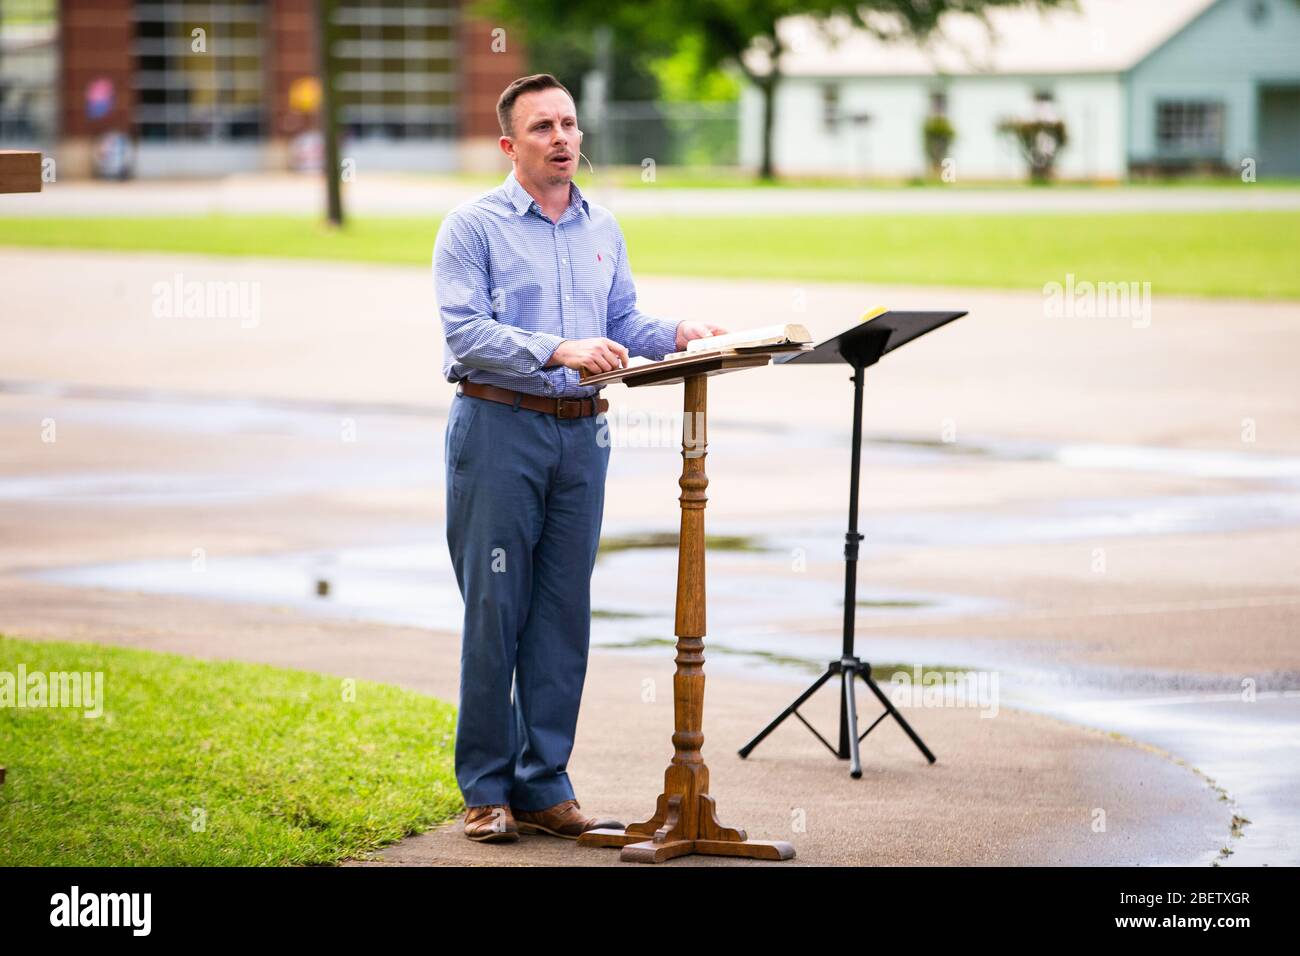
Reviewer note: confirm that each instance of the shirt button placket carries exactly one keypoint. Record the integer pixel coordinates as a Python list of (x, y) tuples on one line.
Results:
[(566, 296), (566, 283)]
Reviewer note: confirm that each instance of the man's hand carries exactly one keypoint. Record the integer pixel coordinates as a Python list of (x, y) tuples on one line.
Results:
[(696, 330), (590, 355)]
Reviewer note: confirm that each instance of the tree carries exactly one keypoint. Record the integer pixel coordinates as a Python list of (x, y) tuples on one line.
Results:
[(570, 56), (1039, 139), (728, 29), (327, 36)]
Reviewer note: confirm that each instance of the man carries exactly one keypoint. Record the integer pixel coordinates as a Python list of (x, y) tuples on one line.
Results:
[(534, 289)]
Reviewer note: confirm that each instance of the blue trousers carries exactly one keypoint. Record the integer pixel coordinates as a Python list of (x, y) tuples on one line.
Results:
[(525, 498)]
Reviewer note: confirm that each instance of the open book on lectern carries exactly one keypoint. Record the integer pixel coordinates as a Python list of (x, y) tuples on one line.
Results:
[(711, 355)]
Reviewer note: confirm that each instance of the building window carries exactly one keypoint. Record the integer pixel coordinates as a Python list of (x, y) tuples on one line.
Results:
[(397, 76), (831, 107), (1190, 129), (198, 71), (1045, 106), (29, 67)]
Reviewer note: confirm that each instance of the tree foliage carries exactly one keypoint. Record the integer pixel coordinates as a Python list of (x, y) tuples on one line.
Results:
[(726, 29)]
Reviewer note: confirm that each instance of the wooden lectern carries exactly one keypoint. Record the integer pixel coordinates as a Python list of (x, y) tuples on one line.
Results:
[(20, 171), (685, 818)]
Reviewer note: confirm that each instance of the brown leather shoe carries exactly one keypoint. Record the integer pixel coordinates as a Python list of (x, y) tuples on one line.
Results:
[(562, 820), (492, 823)]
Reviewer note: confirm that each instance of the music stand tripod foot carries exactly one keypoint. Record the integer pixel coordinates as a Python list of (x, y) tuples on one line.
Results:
[(848, 668)]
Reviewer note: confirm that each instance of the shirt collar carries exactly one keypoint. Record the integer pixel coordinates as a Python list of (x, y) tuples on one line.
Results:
[(522, 202)]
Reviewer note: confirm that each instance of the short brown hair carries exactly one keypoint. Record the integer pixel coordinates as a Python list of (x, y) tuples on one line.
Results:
[(525, 84)]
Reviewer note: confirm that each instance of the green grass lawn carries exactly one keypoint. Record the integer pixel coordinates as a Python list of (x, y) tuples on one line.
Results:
[(213, 763), (1245, 254)]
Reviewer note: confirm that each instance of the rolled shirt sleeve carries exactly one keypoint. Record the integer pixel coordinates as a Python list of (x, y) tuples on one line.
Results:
[(640, 334), (472, 331)]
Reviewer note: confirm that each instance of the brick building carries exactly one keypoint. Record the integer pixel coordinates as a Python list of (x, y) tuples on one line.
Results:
[(207, 88)]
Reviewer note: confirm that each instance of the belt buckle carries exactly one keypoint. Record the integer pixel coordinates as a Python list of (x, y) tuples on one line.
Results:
[(568, 403)]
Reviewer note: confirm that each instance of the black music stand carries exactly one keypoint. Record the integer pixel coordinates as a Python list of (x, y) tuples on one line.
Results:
[(863, 345)]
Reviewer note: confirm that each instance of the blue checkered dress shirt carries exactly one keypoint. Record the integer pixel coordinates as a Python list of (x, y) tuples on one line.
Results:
[(512, 285)]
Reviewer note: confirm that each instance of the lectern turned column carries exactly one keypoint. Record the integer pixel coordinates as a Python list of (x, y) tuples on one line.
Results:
[(685, 818)]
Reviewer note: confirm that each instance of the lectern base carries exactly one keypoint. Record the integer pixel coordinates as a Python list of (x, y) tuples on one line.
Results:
[(637, 849), (668, 835)]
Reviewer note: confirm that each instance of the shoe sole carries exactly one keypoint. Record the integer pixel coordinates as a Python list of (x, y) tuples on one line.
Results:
[(538, 828), (494, 837)]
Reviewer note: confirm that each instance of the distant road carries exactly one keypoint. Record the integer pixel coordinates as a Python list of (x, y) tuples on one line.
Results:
[(384, 194)]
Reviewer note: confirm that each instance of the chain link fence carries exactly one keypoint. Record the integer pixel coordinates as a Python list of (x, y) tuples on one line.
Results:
[(671, 134)]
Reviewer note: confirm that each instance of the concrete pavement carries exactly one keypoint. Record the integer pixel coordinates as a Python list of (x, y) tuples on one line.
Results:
[(159, 450)]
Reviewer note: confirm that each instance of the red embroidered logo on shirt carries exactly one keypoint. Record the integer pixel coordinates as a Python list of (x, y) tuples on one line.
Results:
[(598, 258)]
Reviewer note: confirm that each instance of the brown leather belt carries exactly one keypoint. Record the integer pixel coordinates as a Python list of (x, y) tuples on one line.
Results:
[(559, 407)]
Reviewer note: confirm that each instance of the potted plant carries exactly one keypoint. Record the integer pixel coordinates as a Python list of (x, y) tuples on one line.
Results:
[(938, 134)]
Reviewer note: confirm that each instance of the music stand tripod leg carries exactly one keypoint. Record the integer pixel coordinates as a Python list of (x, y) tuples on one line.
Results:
[(850, 692), (893, 712), (744, 751)]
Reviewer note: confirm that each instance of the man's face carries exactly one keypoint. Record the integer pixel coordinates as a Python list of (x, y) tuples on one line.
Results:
[(547, 139)]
